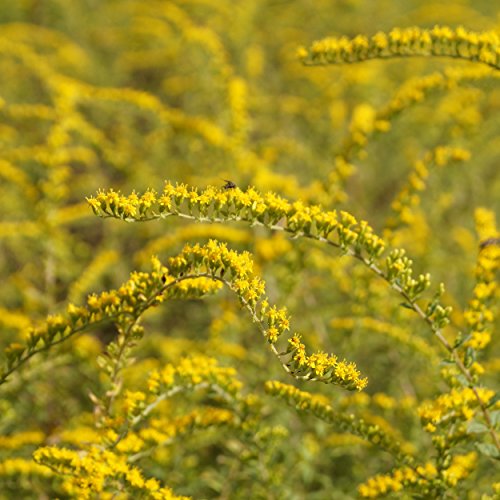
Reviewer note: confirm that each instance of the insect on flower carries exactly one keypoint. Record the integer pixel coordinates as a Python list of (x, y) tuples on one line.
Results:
[(229, 184), (489, 242)]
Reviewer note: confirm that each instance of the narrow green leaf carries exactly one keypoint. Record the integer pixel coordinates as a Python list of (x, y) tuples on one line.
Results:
[(406, 305), (488, 450), (495, 418), (476, 428)]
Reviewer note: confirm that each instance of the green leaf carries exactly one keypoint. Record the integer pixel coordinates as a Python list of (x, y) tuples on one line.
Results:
[(431, 308), (461, 339), (470, 357), (493, 400), (476, 428), (407, 306), (462, 379), (488, 450), (495, 418), (447, 362)]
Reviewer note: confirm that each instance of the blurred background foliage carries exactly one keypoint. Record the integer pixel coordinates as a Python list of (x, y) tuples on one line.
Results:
[(126, 94)]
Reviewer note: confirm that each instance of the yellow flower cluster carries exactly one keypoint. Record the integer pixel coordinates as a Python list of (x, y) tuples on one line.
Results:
[(238, 103), (394, 332), (399, 479), (161, 431), (482, 308), (459, 404), (96, 471), (188, 233), (383, 484), (133, 402), (324, 367), (461, 466), (268, 249), (367, 121), (214, 260), (408, 198), (217, 205), (459, 43), (380, 400), (201, 35), (21, 439), (141, 291), (79, 436), (415, 90), (400, 273), (191, 372), (318, 405), (101, 262), (22, 467)]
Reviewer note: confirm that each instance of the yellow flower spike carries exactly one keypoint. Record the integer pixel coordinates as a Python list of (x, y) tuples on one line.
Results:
[(480, 313), (398, 480), (408, 42), (90, 472), (267, 210), (460, 468), (21, 439), (320, 407), (457, 404)]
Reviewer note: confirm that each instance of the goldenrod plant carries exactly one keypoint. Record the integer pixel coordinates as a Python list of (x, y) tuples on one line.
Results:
[(241, 263), (408, 42)]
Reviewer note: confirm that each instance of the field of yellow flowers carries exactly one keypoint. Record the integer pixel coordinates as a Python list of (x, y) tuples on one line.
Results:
[(249, 249)]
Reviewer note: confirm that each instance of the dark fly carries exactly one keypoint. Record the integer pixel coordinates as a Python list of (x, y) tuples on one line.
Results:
[(489, 242), (229, 184)]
